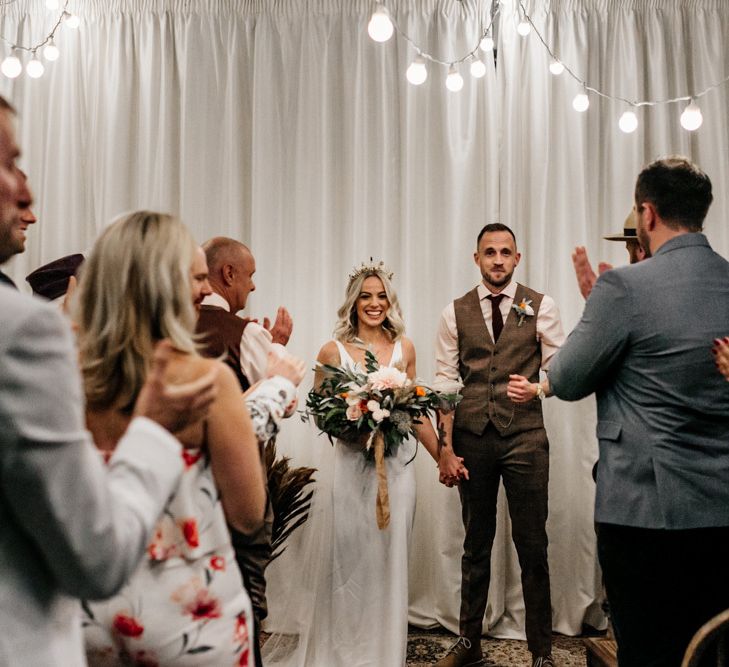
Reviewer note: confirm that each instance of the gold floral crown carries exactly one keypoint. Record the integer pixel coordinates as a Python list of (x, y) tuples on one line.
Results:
[(368, 268)]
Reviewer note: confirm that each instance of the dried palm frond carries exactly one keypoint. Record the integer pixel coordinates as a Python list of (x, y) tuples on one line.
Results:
[(286, 488)]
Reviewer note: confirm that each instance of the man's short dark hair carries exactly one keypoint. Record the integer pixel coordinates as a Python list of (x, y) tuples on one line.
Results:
[(679, 189), (494, 227)]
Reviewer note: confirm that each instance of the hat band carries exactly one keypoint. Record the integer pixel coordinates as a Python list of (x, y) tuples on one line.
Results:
[(630, 231)]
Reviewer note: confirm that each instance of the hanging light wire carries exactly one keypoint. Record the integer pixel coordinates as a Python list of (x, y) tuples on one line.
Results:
[(13, 46), (600, 93), (447, 63)]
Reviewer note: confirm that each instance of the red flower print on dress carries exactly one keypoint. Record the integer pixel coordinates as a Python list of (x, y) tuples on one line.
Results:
[(191, 456), (127, 625), (217, 563), (197, 601), (163, 543), (189, 530), (242, 639)]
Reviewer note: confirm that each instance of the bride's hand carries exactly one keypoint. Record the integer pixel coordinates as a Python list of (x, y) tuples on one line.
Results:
[(450, 468)]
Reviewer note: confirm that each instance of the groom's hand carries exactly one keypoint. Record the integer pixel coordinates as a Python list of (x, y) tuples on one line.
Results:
[(451, 468)]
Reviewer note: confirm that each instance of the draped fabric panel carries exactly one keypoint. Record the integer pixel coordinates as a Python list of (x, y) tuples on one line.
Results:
[(282, 124)]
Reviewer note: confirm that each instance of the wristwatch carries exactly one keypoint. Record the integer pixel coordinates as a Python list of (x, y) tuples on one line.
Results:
[(540, 392)]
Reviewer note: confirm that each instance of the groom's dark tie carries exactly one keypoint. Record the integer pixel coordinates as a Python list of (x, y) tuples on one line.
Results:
[(497, 322)]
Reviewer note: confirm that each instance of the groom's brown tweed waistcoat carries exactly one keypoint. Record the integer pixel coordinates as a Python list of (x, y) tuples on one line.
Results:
[(485, 366)]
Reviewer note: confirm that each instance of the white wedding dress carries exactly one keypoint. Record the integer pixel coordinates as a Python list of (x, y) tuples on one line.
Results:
[(359, 615)]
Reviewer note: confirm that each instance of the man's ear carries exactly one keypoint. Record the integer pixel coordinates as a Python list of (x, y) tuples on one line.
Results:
[(650, 216), (228, 272)]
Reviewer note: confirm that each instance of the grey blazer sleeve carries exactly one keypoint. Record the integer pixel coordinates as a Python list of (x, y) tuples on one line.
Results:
[(583, 363), (91, 524)]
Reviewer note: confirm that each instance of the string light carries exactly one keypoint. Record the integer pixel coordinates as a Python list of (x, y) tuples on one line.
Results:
[(523, 28), (556, 67), (417, 73), (478, 69), (487, 43), (581, 102), (51, 52), (34, 68), (378, 30), (454, 80), (11, 66), (691, 118), (380, 27), (628, 122), (72, 21)]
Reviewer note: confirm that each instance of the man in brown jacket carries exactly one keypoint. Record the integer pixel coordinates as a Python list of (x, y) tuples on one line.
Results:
[(498, 329)]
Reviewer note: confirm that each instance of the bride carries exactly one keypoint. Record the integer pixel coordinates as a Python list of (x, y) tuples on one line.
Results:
[(362, 618)]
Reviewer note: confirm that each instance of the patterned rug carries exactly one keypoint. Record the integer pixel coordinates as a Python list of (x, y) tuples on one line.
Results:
[(425, 647)]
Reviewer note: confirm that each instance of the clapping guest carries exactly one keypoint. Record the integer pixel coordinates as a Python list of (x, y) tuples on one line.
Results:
[(70, 528), (721, 353), (186, 604)]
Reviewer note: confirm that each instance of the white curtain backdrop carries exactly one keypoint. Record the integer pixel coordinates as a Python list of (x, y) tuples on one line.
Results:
[(282, 124)]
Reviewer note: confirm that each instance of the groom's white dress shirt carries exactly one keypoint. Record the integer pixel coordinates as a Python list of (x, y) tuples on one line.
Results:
[(69, 526), (549, 330)]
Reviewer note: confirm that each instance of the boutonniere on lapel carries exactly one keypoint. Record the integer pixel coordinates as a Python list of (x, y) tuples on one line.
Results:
[(523, 309)]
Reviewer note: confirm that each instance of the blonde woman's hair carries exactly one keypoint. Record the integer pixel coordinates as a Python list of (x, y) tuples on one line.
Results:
[(345, 330), (134, 290)]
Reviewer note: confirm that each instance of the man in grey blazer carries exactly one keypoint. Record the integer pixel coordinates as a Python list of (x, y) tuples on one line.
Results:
[(643, 346), (69, 527)]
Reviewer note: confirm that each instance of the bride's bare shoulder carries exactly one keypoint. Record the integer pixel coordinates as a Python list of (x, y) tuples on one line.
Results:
[(329, 354)]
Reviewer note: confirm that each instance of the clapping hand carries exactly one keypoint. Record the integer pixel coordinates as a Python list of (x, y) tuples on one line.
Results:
[(174, 407), (586, 277), (721, 355), (282, 327)]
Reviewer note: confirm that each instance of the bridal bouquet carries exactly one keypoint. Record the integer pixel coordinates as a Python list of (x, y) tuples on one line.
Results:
[(378, 406), (357, 405)]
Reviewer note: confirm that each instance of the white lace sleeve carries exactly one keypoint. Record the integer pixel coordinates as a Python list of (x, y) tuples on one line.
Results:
[(267, 405)]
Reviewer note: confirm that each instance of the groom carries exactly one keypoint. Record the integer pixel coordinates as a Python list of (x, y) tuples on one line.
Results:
[(497, 329)]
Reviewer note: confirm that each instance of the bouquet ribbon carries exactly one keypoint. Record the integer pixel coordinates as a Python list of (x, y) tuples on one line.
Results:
[(382, 505)]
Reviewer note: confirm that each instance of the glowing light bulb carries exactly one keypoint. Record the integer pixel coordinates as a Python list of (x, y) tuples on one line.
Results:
[(487, 43), (478, 69), (417, 72), (35, 68), (51, 52), (454, 80), (581, 102), (73, 21), (691, 118), (556, 67), (380, 27), (11, 67), (52, 4), (628, 122), (523, 28)]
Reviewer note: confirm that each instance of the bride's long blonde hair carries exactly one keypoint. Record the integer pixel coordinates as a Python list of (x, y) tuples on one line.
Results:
[(134, 290), (345, 330)]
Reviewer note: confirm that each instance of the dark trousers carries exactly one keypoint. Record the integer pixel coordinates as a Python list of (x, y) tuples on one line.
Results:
[(662, 585), (522, 461)]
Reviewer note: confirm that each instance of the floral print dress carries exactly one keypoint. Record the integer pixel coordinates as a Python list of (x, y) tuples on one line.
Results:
[(185, 604)]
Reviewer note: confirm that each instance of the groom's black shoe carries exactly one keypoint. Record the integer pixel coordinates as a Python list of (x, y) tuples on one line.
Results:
[(464, 653)]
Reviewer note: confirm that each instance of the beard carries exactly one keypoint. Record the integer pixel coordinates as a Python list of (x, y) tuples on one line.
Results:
[(497, 282)]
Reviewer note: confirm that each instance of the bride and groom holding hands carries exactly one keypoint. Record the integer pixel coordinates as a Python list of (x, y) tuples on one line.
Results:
[(495, 331)]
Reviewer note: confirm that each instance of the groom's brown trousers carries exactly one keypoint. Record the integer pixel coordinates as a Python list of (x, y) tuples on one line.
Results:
[(522, 461)]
